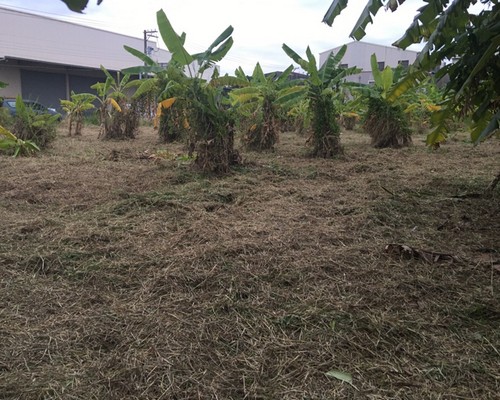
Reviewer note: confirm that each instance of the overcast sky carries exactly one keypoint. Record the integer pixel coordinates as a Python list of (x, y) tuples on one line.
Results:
[(260, 26)]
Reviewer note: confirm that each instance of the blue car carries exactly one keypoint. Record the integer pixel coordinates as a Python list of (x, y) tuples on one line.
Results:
[(10, 105)]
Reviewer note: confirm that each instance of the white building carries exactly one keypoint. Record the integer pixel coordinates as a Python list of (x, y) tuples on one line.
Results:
[(44, 59), (358, 54)]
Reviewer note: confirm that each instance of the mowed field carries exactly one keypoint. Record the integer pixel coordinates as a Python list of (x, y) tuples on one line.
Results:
[(129, 277)]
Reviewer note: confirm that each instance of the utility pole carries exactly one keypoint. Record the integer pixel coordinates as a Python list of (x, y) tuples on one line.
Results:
[(148, 33)]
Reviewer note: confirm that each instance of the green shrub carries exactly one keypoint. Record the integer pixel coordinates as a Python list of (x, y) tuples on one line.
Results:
[(10, 144), (30, 126), (5, 117)]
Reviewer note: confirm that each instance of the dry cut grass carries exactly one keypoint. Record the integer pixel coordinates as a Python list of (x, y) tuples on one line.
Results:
[(122, 277)]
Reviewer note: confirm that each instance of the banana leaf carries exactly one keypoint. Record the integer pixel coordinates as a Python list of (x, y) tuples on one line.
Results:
[(411, 80), (377, 76), (173, 42), (334, 10), (481, 132), (284, 76), (227, 80), (140, 55), (365, 18), (258, 75), (313, 69), (295, 57), (331, 64)]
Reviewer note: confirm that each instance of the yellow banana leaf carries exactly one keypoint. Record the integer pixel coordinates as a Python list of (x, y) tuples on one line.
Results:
[(7, 134), (168, 103), (433, 107), (165, 104), (115, 105)]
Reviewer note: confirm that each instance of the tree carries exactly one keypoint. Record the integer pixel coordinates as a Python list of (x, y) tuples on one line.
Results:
[(75, 108), (320, 88), (467, 42), (118, 118), (255, 100), (208, 113), (162, 83), (385, 121)]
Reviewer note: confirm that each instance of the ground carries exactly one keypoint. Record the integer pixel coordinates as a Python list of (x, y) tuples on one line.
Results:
[(129, 277)]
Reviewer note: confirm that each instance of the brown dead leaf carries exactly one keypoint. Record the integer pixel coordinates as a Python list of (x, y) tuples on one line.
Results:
[(408, 252)]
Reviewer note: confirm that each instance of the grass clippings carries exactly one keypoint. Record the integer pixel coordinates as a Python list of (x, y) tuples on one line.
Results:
[(126, 278)]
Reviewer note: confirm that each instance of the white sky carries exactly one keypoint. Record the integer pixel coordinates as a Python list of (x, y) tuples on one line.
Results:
[(260, 26)]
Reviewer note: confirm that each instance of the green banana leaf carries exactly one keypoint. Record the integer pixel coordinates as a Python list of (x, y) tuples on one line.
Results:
[(140, 55), (331, 64), (173, 42), (334, 10), (295, 57)]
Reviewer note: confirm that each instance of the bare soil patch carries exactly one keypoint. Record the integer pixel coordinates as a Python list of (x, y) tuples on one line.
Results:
[(122, 277)]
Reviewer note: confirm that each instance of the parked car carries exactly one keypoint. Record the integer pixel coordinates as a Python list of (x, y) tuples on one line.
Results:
[(10, 105)]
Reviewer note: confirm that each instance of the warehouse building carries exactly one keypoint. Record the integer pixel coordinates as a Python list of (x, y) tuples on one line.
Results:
[(358, 54), (44, 59)]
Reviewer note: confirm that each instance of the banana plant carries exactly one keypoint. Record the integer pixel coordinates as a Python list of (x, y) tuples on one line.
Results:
[(10, 142), (206, 107), (422, 103), (113, 98), (385, 120), (29, 125), (156, 78), (300, 113), (255, 102), (175, 80), (450, 30), (75, 108), (320, 88), (164, 85), (195, 64)]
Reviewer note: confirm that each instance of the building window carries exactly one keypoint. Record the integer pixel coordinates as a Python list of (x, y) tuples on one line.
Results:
[(344, 65), (381, 65), (404, 63)]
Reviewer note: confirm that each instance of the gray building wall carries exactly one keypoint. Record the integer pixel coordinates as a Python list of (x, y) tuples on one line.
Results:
[(45, 59), (45, 87), (28, 36)]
